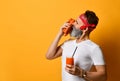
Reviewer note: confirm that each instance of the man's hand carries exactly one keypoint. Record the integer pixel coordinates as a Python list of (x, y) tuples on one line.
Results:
[(64, 26), (74, 70)]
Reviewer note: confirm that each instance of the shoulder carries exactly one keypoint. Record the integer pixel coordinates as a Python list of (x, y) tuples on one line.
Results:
[(92, 44), (95, 48)]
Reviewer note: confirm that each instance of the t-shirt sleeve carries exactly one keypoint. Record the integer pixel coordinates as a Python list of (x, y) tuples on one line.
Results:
[(97, 56), (62, 46)]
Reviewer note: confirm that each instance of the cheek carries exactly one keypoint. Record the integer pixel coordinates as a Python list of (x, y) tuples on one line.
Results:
[(80, 23), (77, 26)]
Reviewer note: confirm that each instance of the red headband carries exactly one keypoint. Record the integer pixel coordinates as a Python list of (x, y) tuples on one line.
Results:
[(86, 24)]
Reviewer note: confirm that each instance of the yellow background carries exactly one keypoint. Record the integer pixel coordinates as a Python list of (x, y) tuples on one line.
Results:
[(27, 27)]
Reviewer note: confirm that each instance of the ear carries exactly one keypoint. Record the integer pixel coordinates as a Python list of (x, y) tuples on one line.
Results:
[(85, 29)]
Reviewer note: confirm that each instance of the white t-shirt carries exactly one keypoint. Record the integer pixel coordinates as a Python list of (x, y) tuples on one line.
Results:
[(87, 54)]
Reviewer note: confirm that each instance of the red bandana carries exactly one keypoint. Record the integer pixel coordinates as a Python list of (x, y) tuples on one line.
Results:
[(86, 24)]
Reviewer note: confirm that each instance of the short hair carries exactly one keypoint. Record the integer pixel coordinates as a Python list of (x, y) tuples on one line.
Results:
[(91, 17)]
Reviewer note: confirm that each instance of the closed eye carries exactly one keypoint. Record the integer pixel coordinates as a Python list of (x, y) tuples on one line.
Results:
[(76, 21)]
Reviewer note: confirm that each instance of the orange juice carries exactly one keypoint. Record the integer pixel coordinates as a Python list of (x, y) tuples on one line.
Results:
[(70, 60)]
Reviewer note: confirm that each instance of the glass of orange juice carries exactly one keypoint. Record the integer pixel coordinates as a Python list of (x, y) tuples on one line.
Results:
[(69, 60)]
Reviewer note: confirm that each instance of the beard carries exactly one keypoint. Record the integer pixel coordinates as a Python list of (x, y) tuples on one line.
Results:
[(75, 32)]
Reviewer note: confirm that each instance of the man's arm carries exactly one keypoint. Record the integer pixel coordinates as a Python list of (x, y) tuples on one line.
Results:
[(54, 50), (99, 75)]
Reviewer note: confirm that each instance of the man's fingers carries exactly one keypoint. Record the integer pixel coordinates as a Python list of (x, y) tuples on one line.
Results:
[(68, 70), (66, 25), (70, 66)]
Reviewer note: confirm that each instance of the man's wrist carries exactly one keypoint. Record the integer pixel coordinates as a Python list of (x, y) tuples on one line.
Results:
[(60, 34), (83, 73)]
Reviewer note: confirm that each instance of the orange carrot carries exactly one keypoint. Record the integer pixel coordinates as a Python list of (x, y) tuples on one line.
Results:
[(68, 29)]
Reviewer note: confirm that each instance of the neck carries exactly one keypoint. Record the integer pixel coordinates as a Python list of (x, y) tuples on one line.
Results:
[(82, 38)]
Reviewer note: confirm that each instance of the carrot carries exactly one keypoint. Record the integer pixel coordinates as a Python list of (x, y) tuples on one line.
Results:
[(68, 29)]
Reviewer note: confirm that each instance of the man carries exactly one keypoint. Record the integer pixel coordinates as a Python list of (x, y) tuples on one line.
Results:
[(88, 53)]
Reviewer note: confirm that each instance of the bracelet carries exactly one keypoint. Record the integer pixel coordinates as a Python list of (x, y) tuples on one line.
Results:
[(84, 74)]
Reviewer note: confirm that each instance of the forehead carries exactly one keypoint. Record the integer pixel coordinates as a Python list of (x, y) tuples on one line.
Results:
[(79, 20), (82, 19)]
